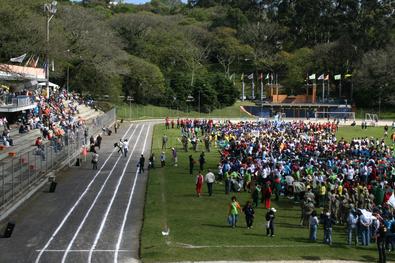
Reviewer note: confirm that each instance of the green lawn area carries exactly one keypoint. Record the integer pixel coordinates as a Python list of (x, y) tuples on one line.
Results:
[(198, 228), (138, 111), (354, 132)]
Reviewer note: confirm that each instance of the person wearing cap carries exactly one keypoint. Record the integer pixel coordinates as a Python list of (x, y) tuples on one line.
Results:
[(270, 216)]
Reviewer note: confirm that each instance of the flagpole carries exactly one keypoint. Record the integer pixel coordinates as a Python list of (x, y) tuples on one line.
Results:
[(323, 89), (252, 89), (261, 88), (242, 90)]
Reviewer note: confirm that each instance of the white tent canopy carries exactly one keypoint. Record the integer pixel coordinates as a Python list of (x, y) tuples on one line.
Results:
[(50, 84)]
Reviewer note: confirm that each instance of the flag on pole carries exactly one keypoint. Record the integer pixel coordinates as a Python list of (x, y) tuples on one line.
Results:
[(312, 76), (251, 76), (338, 77), (28, 61), (326, 77), (242, 76), (260, 76), (348, 75), (321, 77), (391, 201), (53, 65), (19, 59), (267, 76)]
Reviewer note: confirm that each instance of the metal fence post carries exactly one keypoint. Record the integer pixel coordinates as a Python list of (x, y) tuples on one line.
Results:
[(3, 183), (12, 179)]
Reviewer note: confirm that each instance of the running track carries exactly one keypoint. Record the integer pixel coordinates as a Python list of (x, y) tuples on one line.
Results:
[(94, 216)]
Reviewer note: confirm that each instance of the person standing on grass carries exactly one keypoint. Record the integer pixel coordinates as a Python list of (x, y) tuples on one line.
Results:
[(267, 195), (162, 158), (352, 226), (202, 161), (327, 221), (313, 222), (174, 156), (233, 212), (270, 222), (210, 179), (95, 160), (191, 164), (199, 183), (164, 141), (249, 213)]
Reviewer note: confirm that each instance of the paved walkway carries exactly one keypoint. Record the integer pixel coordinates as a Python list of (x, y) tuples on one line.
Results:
[(94, 216)]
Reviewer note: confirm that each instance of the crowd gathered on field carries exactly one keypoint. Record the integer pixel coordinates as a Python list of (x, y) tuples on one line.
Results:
[(334, 180)]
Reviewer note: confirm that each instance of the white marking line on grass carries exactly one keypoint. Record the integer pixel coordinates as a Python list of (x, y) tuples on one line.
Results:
[(189, 246), (125, 216), (80, 250), (77, 202), (95, 200), (104, 220)]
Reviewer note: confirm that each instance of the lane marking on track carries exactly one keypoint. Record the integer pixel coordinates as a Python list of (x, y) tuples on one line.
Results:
[(104, 220), (95, 200), (120, 236), (77, 202)]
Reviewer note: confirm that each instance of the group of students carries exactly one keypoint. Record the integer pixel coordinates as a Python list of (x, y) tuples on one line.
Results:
[(293, 158)]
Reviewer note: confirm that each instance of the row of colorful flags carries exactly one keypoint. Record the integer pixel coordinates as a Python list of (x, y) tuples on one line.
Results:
[(326, 77), (269, 76), (32, 61)]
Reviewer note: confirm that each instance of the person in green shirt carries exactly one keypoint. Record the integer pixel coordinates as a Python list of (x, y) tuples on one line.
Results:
[(247, 180), (233, 212)]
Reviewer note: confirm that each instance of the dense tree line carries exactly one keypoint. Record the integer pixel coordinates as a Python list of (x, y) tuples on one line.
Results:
[(165, 51)]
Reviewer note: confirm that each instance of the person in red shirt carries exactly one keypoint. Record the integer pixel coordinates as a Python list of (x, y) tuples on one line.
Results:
[(199, 183)]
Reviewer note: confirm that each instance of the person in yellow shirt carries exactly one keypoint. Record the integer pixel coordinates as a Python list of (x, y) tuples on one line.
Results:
[(322, 194)]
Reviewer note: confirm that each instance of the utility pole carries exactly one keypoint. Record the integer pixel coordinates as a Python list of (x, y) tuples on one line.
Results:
[(50, 10)]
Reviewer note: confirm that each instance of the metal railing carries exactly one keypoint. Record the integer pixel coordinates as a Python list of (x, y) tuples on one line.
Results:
[(20, 173)]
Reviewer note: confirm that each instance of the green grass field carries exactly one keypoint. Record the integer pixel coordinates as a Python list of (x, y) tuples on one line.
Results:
[(137, 111), (198, 228)]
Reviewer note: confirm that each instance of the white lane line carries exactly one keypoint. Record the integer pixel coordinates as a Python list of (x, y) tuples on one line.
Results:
[(104, 220), (77, 202), (95, 200), (80, 250), (120, 235), (190, 246)]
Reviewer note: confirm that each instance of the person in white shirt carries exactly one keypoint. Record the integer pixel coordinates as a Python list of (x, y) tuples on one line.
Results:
[(210, 179), (125, 147)]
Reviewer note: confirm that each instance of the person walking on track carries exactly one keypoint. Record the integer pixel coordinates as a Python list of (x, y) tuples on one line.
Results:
[(95, 160), (125, 147), (141, 164)]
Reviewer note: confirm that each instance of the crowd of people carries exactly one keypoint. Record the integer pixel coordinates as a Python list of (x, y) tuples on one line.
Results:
[(335, 181)]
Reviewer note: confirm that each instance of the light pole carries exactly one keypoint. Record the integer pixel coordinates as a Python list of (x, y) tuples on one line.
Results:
[(50, 10), (130, 99)]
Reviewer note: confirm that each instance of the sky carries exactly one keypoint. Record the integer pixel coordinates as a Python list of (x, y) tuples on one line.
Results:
[(142, 1)]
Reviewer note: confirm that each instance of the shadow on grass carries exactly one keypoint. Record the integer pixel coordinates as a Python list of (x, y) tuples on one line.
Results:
[(289, 225), (369, 258), (312, 258)]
